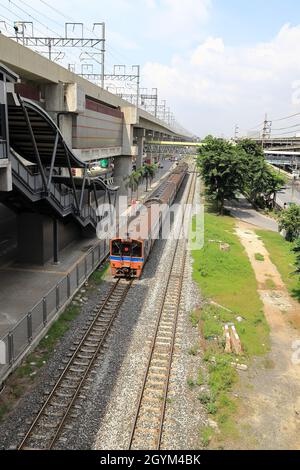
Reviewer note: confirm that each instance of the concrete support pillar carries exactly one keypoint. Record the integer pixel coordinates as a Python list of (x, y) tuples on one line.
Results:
[(55, 104), (55, 99), (5, 175), (65, 125), (40, 237), (34, 238), (122, 169), (140, 134)]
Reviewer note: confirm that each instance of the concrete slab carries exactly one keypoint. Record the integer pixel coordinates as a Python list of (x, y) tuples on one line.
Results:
[(22, 286)]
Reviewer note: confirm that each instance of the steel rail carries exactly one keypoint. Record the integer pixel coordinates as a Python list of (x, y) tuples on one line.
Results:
[(66, 370), (189, 198)]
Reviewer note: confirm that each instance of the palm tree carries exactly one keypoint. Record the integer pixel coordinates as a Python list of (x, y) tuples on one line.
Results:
[(133, 181), (148, 171)]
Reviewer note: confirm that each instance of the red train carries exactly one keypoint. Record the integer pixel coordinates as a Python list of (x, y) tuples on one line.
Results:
[(129, 254)]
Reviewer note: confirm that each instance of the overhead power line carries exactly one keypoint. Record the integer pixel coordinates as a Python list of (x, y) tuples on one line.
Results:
[(286, 117), (284, 128)]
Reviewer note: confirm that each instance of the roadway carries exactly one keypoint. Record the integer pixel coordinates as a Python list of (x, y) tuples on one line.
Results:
[(290, 194), (242, 209)]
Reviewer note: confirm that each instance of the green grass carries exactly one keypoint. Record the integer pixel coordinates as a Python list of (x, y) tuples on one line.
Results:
[(259, 257), (200, 378), (270, 284), (41, 354), (194, 350), (21, 379), (195, 317), (191, 382), (206, 434), (281, 255), (97, 276), (228, 278)]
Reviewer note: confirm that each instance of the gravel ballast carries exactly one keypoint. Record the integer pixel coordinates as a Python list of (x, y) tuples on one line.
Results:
[(105, 413)]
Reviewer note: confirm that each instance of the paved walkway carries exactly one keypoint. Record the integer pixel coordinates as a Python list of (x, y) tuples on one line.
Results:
[(242, 210)]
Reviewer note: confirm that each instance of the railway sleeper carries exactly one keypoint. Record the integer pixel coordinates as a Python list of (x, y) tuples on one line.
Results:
[(91, 343), (58, 404), (63, 394), (156, 384), (95, 334), (51, 425), (150, 408), (69, 386), (88, 350), (81, 361), (98, 328), (77, 370), (55, 414), (159, 375)]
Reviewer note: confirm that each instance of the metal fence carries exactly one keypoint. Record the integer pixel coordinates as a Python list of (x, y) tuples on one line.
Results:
[(19, 339)]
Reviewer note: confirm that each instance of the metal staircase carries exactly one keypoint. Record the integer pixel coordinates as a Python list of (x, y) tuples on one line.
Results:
[(42, 166)]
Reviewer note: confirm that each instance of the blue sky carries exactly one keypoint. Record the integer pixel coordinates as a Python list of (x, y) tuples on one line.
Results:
[(217, 62), (250, 21)]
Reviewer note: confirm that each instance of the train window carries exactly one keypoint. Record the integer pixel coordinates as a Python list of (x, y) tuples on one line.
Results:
[(116, 248), (136, 249), (126, 248)]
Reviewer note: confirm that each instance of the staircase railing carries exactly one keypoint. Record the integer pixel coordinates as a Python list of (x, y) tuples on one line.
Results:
[(62, 200)]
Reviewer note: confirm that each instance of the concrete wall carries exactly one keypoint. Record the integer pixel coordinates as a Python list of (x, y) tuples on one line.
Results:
[(34, 67), (94, 129)]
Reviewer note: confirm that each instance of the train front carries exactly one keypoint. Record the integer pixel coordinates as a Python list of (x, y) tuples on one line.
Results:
[(126, 257)]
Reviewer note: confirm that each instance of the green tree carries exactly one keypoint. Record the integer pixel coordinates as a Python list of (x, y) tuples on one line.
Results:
[(289, 220), (222, 170), (261, 183), (296, 250)]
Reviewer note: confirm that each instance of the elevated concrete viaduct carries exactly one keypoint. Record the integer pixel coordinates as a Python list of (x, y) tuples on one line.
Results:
[(95, 123)]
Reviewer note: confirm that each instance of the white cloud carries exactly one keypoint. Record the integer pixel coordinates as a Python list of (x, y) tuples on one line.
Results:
[(178, 20), (221, 85)]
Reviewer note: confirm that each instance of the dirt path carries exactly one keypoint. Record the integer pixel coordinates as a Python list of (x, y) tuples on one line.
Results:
[(270, 390)]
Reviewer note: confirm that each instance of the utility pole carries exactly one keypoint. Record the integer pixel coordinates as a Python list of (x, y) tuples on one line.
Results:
[(137, 68), (236, 132), (102, 25), (267, 129), (24, 33)]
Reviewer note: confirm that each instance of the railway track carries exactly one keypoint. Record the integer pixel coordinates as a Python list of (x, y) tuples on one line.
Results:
[(61, 403), (148, 426)]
